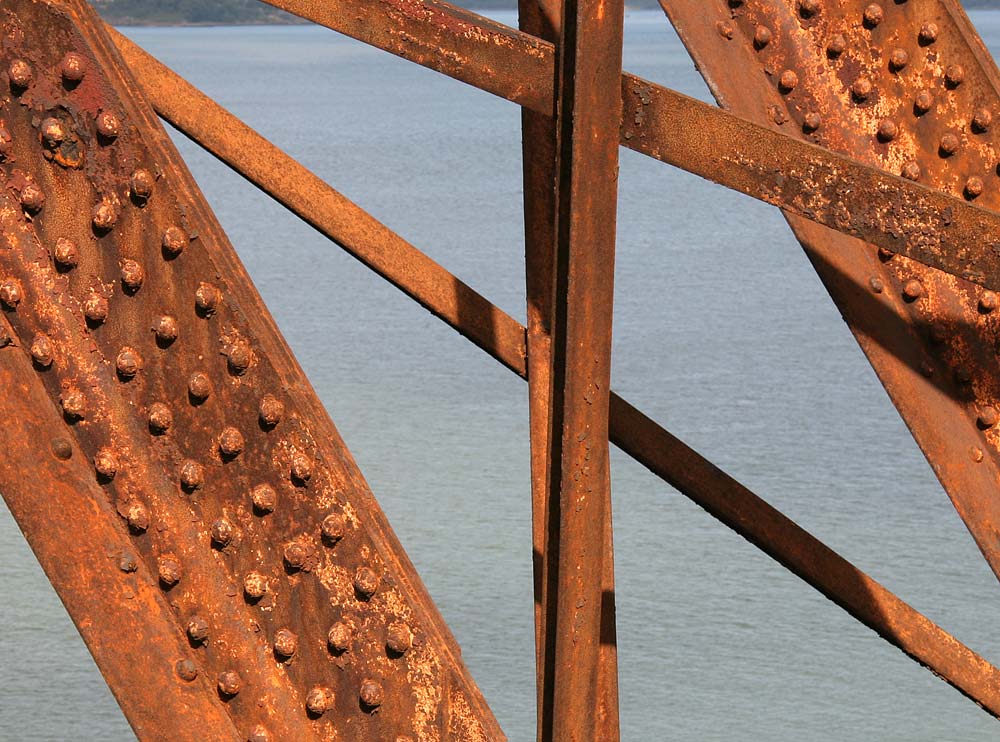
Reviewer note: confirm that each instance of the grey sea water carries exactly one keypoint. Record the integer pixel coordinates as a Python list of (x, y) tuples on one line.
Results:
[(722, 332)]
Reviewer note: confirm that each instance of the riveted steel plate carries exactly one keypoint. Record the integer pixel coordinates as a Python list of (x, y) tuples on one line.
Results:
[(166, 458)]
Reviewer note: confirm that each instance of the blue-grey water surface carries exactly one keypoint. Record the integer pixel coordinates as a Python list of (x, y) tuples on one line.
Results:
[(722, 332)]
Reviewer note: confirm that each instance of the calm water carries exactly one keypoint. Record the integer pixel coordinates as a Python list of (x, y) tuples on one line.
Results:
[(722, 332)]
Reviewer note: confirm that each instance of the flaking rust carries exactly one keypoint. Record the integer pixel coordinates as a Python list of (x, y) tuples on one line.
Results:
[(248, 585)]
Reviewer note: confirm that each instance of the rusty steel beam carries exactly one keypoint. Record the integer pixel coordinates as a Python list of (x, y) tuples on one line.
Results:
[(224, 543), (830, 189), (666, 456), (928, 84)]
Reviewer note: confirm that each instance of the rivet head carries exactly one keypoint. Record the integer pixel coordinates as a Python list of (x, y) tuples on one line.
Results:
[(811, 121), (160, 418), (725, 29), (761, 37), (913, 290), (6, 143), (887, 130), (982, 120), (788, 80), (174, 241), (65, 253), (108, 125), (876, 284), (836, 46), (74, 404), (186, 670), (255, 586), (898, 59), (106, 464), (207, 298), (301, 469), (319, 700), (973, 187), (928, 33), (398, 638), (286, 643), (231, 443), (861, 89), (95, 308), (20, 74), (270, 410), (141, 184), (41, 351), (873, 15), (62, 448), (169, 570), (365, 583), (230, 683), (954, 75), (192, 475), (132, 275), (32, 198), (371, 694), (11, 293), (5, 336), (197, 629), (911, 170), (73, 68), (259, 734), (923, 102), (199, 386), (128, 363), (53, 133), (988, 302), (976, 454), (988, 417), (166, 330), (239, 357), (808, 8), (298, 554), (263, 498), (339, 637), (333, 528), (137, 516), (104, 216), (948, 145), (127, 562), (222, 532)]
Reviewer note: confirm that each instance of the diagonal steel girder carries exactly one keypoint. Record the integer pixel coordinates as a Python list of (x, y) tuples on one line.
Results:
[(171, 467)]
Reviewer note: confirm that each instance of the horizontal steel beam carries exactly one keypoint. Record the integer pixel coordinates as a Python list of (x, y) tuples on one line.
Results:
[(786, 542), (834, 190)]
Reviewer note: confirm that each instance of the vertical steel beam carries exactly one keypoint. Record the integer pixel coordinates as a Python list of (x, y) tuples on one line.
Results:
[(588, 114)]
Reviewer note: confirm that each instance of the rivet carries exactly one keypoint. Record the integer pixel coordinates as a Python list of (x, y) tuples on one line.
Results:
[(301, 469), (6, 143), (876, 284), (836, 46), (976, 454), (255, 586), (911, 170), (128, 363), (197, 629), (913, 290), (808, 8), (788, 81), (5, 337), (41, 351), (95, 308), (62, 449), (285, 643), (371, 694), (199, 386), (339, 637), (108, 125), (263, 498), (927, 368), (160, 418), (885, 255), (725, 29), (365, 583), (104, 216), (74, 404), (106, 464), (186, 670), (973, 187), (982, 120), (861, 89), (73, 68), (887, 130), (169, 570), (53, 133), (298, 554), (948, 145), (32, 198), (132, 275), (137, 516), (20, 73), (270, 410), (319, 700), (923, 102), (11, 293), (166, 330), (928, 33), (873, 15), (141, 184), (174, 241), (238, 357), (333, 528), (127, 562), (222, 532), (988, 417), (231, 443), (207, 298), (987, 302), (761, 37), (898, 59), (259, 734), (954, 75), (811, 121), (66, 254), (192, 475), (398, 638), (230, 683)]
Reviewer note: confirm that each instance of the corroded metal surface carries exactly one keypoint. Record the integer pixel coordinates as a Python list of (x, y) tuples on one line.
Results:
[(190, 499), (907, 87)]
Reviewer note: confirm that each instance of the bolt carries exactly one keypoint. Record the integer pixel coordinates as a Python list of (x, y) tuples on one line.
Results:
[(988, 417), (106, 464), (339, 637), (141, 184), (199, 386), (301, 467), (271, 410), (898, 59), (192, 475), (876, 284), (761, 37), (298, 554), (264, 498), (887, 130), (20, 73), (62, 449), (874, 15), (231, 443), (911, 170), (74, 404), (398, 638), (788, 81), (230, 683), (41, 351), (174, 241), (222, 532), (160, 418), (207, 298), (285, 643), (128, 363), (333, 528), (913, 290), (982, 120), (197, 629), (73, 68), (808, 8), (949, 145), (259, 734), (32, 198), (973, 187), (104, 216), (319, 700), (239, 357), (928, 33), (132, 275), (255, 586), (923, 102), (954, 74), (166, 330), (108, 125), (11, 293), (66, 253), (861, 89), (836, 46), (371, 694), (53, 132), (95, 308), (137, 516), (186, 670), (365, 583), (169, 570), (988, 302)]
